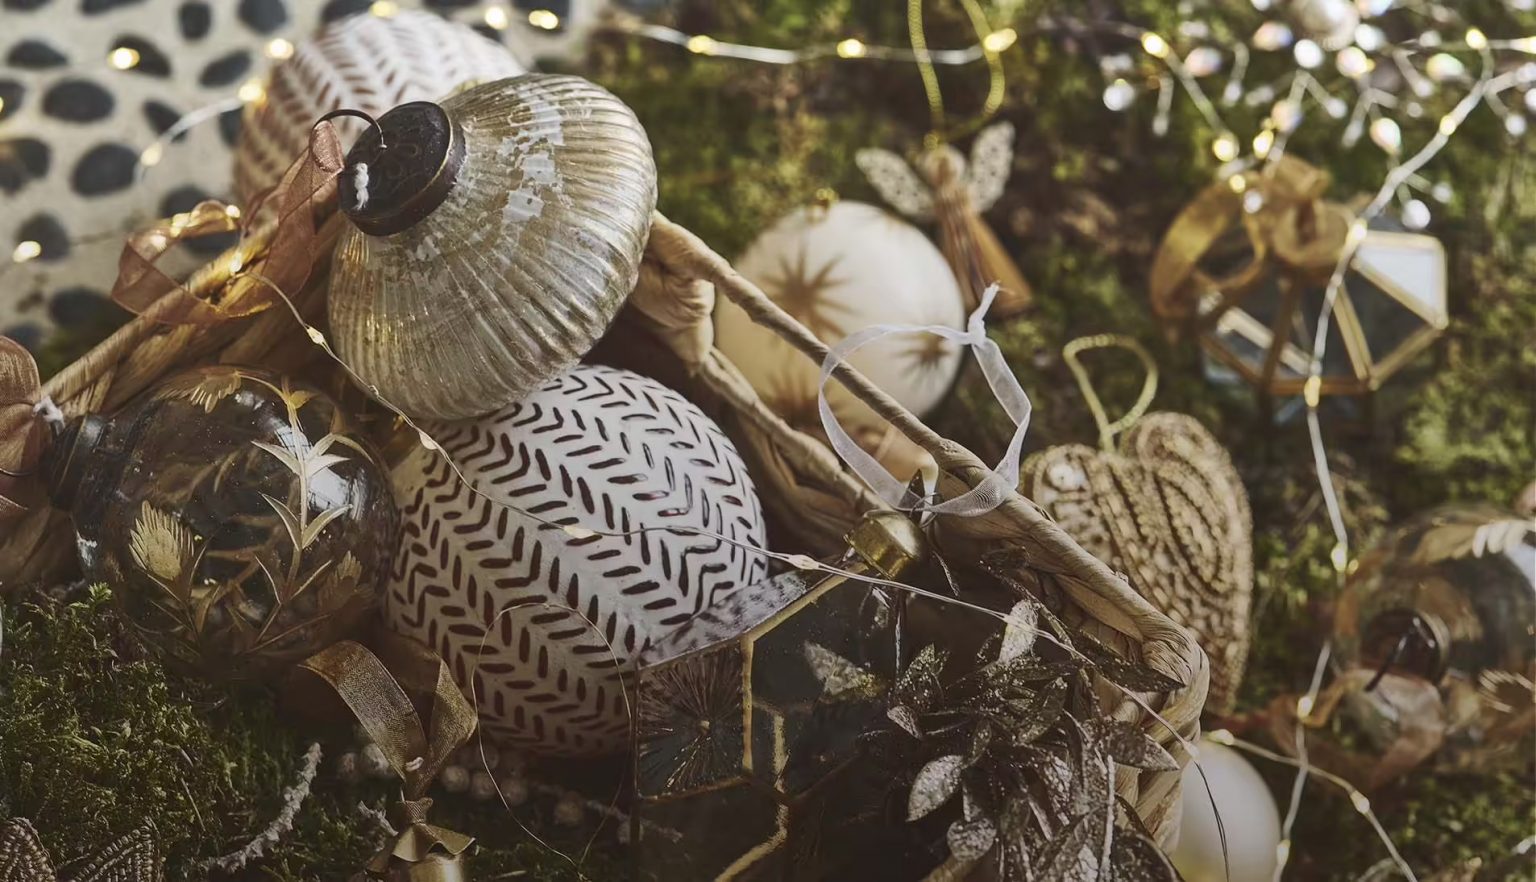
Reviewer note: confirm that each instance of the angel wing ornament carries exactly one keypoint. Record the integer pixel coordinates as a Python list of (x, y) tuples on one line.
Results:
[(946, 188)]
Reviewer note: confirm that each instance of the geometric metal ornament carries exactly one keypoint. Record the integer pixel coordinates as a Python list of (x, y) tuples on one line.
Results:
[(1392, 305), (746, 722)]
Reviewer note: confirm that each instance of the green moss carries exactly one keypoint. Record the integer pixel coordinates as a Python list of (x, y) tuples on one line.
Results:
[(94, 739)]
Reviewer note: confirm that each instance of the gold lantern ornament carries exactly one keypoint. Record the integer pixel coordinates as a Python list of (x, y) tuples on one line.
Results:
[(1246, 267)]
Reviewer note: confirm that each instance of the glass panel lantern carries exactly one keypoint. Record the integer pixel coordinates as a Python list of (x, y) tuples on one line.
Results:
[(1391, 306)]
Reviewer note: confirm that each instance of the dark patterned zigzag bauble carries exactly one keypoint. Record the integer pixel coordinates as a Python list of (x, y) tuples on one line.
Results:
[(600, 449)]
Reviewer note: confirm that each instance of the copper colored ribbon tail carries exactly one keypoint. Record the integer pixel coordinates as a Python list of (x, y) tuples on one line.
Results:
[(22, 432), (217, 291), (379, 689)]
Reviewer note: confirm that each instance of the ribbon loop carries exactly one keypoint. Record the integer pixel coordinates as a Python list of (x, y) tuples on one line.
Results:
[(991, 492), (278, 237), (378, 689), (23, 435)]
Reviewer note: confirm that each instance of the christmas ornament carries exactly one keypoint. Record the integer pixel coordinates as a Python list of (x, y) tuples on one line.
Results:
[(1165, 506), (133, 857), (239, 523), (1433, 635), (540, 622), (493, 239), (750, 722), (839, 269), (1247, 265), (957, 193), (1242, 845), (367, 62)]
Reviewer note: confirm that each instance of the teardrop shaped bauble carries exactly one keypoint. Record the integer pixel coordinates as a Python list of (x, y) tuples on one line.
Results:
[(493, 240), (368, 63), (543, 622)]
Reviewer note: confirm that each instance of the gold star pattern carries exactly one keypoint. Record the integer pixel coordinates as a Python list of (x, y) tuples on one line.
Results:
[(802, 294)]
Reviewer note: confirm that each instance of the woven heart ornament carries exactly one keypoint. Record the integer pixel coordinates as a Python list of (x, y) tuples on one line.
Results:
[(1166, 507)]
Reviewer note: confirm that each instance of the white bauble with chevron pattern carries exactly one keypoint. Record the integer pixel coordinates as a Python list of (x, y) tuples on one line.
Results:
[(597, 448), (369, 63)]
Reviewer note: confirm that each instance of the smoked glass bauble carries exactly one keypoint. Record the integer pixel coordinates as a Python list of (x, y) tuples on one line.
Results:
[(539, 622), (239, 522), (1448, 602)]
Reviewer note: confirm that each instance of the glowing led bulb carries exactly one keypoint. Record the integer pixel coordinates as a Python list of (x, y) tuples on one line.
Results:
[(496, 18), (123, 58), (1222, 736), (279, 49), (152, 155), (1476, 39), (232, 212), (1353, 63), (544, 19), (1119, 95), (314, 335), (1441, 67), (1154, 45), (1304, 706), (1386, 135), (702, 44), (997, 41), (26, 250), (251, 91), (384, 8), (851, 48), (1203, 61), (1308, 54), (1340, 557), (1263, 142), (1272, 35), (1224, 147), (1415, 215)]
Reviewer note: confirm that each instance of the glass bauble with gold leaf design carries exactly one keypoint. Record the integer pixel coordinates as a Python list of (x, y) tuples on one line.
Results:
[(240, 522)]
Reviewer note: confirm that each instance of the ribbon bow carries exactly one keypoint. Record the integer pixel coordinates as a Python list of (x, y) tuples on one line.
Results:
[(1280, 210), (279, 246), (378, 690), (987, 495)]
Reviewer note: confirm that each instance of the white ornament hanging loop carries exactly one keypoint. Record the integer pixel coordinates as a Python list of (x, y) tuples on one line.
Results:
[(994, 489)]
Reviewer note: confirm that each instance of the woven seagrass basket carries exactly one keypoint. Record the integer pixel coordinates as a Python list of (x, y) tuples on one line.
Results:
[(671, 310)]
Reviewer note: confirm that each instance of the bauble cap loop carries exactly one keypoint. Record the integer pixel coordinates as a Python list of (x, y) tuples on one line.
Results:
[(401, 168)]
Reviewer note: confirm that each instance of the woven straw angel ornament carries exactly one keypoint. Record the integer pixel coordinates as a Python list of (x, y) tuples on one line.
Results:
[(946, 188)]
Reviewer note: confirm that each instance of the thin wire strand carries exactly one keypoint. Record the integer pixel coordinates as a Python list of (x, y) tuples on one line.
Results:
[(1108, 430)]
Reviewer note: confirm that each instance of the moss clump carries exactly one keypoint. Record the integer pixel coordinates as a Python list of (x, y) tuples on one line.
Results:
[(94, 739)]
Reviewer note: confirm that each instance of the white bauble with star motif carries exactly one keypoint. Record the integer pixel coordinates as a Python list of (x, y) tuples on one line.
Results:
[(838, 270), (544, 621)]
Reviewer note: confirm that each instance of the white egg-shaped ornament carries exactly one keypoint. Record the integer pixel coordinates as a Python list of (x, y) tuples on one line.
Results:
[(1245, 844), (523, 588), (368, 63), (840, 269)]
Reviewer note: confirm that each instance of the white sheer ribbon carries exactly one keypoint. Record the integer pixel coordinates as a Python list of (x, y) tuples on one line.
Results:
[(991, 492)]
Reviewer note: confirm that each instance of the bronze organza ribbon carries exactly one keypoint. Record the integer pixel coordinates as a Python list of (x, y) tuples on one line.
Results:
[(1279, 208), (278, 246), (379, 689), (22, 432)]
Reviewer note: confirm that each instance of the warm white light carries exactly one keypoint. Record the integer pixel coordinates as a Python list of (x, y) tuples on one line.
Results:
[(232, 211), (279, 49), (1154, 45), (1203, 61), (1224, 147), (1263, 142), (544, 19), (384, 8), (496, 18), (1272, 35), (1387, 135), (1340, 556), (152, 155), (1282, 853), (1304, 706), (1119, 94), (123, 58), (26, 250), (1353, 63), (251, 91), (1448, 125), (1308, 54), (997, 41), (1369, 37), (1476, 39), (851, 48), (702, 44)]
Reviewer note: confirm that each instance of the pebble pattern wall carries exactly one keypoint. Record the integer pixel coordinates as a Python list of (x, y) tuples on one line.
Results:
[(73, 125)]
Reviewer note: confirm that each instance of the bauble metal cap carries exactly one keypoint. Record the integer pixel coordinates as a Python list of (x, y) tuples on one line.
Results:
[(402, 168)]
